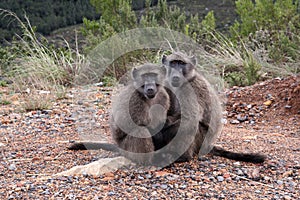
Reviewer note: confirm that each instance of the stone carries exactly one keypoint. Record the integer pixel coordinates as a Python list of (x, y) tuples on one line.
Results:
[(98, 167)]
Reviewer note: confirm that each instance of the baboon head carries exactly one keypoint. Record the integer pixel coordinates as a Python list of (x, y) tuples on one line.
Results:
[(148, 79), (180, 68)]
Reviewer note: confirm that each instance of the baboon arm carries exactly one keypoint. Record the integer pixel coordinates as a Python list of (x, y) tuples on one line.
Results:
[(246, 157)]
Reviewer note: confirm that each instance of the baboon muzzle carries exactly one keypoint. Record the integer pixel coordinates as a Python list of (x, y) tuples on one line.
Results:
[(150, 90), (175, 81)]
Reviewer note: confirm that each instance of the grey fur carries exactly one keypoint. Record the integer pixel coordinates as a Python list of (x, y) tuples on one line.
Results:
[(136, 117), (206, 104)]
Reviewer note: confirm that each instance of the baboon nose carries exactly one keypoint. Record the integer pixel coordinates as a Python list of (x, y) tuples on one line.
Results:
[(150, 91), (175, 79)]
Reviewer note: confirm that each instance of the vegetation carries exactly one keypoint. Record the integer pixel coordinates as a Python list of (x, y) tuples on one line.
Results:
[(273, 25), (37, 68), (263, 42), (244, 43)]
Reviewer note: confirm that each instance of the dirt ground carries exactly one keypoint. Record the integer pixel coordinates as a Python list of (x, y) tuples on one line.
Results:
[(261, 118)]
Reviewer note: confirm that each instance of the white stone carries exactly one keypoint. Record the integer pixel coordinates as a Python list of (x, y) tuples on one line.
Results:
[(98, 167)]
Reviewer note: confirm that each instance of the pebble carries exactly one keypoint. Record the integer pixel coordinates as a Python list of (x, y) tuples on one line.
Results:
[(12, 167), (234, 121), (239, 172), (287, 197), (242, 119), (224, 121), (172, 177), (100, 84), (111, 193), (222, 165), (279, 182), (220, 178), (148, 176), (183, 186), (267, 178), (164, 186)]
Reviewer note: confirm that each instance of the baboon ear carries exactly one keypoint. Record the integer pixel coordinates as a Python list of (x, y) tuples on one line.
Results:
[(193, 60), (164, 60), (134, 73), (163, 70)]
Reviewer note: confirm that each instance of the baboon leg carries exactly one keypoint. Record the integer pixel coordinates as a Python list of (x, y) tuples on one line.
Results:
[(137, 145), (136, 149), (168, 133), (196, 141)]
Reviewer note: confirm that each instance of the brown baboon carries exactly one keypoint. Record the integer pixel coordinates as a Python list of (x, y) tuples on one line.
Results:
[(138, 112), (190, 93)]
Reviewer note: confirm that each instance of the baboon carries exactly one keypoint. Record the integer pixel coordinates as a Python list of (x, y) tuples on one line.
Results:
[(138, 112), (193, 98), (185, 124)]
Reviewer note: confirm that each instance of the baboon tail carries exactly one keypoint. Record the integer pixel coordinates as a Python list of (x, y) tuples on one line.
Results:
[(246, 157), (93, 146)]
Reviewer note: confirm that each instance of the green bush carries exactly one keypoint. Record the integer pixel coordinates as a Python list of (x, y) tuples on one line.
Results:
[(118, 16), (280, 19)]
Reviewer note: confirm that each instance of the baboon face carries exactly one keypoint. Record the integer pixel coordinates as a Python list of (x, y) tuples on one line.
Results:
[(180, 68), (148, 78)]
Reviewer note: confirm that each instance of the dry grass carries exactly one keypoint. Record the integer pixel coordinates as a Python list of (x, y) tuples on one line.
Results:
[(40, 66)]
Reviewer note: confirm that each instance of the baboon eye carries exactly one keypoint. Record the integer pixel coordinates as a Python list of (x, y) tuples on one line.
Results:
[(173, 63), (180, 62)]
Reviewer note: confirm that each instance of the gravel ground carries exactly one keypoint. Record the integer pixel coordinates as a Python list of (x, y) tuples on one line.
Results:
[(262, 118)]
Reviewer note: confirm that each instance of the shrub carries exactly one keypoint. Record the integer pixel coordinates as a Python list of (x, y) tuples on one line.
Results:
[(281, 21), (35, 65), (117, 16)]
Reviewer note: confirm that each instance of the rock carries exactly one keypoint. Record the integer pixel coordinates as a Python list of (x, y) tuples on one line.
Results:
[(234, 122), (224, 121), (69, 96), (12, 167), (241, 118), (100, 84), (239, 172), (267, 178), (287, 106), (254, 174), (279, 182), (2, 144), (44, 92), (268, 103), (287, 197), (220, 178), (164, 186), (98, 167)]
